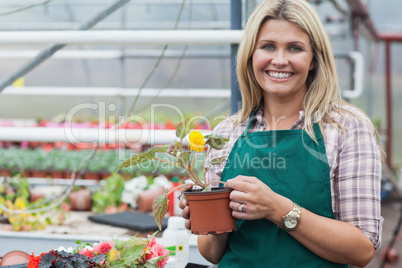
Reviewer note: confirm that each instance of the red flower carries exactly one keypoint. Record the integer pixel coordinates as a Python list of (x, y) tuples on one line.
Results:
[(87, 253), (157, 250), (104, 247), (34, 261)]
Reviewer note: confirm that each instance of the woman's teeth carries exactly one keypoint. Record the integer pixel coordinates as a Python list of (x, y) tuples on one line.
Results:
[(279, 75)]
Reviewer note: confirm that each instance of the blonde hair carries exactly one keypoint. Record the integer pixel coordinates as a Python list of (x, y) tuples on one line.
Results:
[(323, 95)]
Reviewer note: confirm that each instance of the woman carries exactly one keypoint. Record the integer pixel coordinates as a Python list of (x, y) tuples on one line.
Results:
[(301, 159)]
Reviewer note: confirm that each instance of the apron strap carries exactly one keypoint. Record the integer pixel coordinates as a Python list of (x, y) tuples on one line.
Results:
[(250, 119), (317, 132)]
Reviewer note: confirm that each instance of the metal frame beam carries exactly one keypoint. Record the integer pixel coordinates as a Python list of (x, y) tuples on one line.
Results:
[(141, 37), (235, 24), (49, 51)]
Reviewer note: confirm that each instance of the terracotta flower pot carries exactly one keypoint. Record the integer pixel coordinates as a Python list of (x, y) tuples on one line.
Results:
[(105, 175), (39, 174), (210, 212), (34, 194), (25, 174), (5, 172), (146, 198), (57, 174), (91, 176), (14, 257), (80, 200), (69, 173)]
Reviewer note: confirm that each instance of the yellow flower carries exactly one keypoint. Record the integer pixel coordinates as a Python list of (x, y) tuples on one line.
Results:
[(112, 254), (197, 142), (19, 203)]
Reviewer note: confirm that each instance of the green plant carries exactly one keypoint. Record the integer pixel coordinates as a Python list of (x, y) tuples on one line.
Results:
[(137, 252), (95, 166), (134, 252), (41, 160), (109, 195), (14, 196), (74, 160), (24, 160), (57, 159), (9, 159), (177, 156)]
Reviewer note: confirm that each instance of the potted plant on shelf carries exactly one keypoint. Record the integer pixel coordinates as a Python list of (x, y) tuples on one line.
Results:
[(58, 164), (8, 161), (93, 169), (108, 198), (73, 162), (209, 216), (41, 163)]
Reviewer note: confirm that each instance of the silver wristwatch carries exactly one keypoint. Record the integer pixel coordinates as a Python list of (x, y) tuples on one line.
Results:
[(290, 220)]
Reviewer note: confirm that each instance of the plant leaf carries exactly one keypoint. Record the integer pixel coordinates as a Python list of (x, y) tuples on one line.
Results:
[(183, 159), (152, 262), (119, 244), (98, 258), (137, 159), (159, 149), (217, 161), (183, 128), (160, 208), (80, 263), (215, 141), (122, 263), (46, 260), (173, 148)]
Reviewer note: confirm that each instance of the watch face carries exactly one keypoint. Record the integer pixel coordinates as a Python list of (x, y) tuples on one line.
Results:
[(291, 223)]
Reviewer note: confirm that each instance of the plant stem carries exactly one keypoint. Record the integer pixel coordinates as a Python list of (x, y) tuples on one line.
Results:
[(194, 178), (188, 184), (204, 170), (181, 145), (223, 182), (192, 162), (179, 186)]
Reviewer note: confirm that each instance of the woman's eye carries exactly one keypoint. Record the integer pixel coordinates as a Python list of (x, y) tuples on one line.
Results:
[(295, 49), (268, 47)]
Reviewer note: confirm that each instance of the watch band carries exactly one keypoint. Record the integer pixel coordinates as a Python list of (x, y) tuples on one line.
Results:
[(291, 220)]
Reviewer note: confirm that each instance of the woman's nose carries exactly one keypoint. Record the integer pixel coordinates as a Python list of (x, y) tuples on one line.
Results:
[(280, 58)]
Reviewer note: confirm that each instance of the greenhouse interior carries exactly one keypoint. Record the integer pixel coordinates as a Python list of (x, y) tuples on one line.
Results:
[(98, 99)]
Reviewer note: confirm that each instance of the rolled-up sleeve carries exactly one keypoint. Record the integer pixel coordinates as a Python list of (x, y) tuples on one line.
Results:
[(357, 178)]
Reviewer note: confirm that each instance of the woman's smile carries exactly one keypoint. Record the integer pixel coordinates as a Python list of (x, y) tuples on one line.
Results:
[(279, 75)]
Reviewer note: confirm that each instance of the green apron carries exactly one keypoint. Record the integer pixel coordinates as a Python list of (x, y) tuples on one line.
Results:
[(292, 165)]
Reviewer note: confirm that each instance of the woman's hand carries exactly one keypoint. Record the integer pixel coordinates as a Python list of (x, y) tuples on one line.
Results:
[(185, 208), (258, 200)]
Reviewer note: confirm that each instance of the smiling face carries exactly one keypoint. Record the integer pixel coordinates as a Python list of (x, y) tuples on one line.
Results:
[(282, 60)]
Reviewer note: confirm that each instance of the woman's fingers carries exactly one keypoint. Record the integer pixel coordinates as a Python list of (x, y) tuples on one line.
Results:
[(187, 187), (185, 213), (251, 198), (242, 183)]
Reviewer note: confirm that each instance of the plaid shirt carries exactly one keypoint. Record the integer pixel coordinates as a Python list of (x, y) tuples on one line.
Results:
[(354, 162)]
